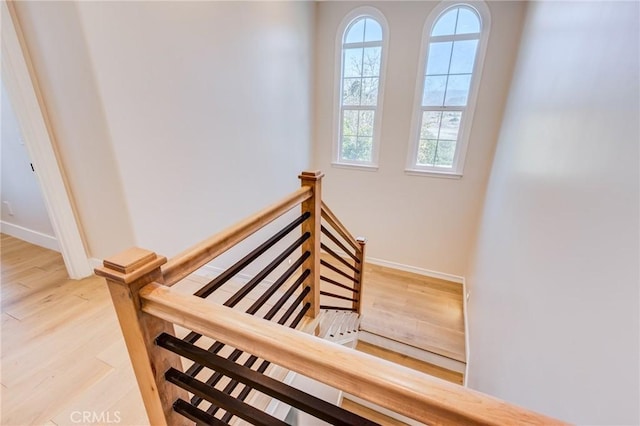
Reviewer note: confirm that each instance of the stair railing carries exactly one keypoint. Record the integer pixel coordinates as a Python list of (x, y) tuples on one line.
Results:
[(341, 267), (148, 308)]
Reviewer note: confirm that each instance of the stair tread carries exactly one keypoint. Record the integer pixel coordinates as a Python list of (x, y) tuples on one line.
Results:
[(424, 367), (370, 414)]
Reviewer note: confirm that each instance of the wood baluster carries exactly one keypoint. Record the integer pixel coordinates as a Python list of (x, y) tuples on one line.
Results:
[(360, 274), (126, 273), (312, 225)]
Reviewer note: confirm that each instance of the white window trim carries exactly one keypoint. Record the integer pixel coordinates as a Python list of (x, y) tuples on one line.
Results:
[(456, 171), (359, 12)]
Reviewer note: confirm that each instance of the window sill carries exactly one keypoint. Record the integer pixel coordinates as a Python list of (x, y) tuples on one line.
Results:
[(362, 167), (433, 173)]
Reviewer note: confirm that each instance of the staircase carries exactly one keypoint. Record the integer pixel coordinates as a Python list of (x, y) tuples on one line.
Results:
[(339, 327), (274, 336)]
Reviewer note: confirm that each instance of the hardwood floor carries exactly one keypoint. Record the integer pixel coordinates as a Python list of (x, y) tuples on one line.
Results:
[(63, 356), (416, 310)]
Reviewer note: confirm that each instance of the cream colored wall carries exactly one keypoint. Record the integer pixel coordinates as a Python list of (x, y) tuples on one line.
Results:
[(554, 307), (174, 119), (420, 221), (208, 106), (56, 45)]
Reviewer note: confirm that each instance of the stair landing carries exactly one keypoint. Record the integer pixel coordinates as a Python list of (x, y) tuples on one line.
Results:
[(423, 312)]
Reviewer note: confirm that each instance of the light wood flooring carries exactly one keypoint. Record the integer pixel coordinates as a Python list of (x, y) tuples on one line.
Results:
[(420, 311), (62, 352)]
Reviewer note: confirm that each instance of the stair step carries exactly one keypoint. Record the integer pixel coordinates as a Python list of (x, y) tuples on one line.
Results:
[(416, 364), (412, 352), (337, 326), (370, 414), (383, 415)]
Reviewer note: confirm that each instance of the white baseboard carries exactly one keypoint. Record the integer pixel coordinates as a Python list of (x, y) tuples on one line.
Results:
[(211, 271), (408, 268), (30, 236), (415, 270), (95, 262)]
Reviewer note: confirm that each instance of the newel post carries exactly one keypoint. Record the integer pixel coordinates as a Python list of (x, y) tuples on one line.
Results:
[(126, 273), (359, 275), (312, 225)]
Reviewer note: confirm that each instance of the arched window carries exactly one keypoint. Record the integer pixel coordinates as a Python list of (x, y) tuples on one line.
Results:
[(362, 47), (454, 42)]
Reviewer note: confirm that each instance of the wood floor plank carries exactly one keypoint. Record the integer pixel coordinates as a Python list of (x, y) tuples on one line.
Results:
[(102, 399), (53, 350), (420, 311), (37, 402), (131, 408), (62, 349)]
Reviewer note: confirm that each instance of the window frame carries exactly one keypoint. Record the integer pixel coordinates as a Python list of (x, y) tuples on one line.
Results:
[(462, 144), (350, 18)]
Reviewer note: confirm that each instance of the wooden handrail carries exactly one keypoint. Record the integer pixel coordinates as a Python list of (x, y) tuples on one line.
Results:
[(413, 394), (193, 258), (335, 223)]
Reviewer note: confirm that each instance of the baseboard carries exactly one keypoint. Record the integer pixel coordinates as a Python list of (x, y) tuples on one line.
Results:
[(95, 262), (30, 236), (415, 270), (211, 271), (408, 268)]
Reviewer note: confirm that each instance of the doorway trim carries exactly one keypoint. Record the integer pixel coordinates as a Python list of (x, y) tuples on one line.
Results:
[(22, 88)]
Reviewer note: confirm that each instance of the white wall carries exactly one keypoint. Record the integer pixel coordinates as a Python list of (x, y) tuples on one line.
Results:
[(208, 106), (553, 313), (28, 218), (57, 47), (420, 221), (174, 119)]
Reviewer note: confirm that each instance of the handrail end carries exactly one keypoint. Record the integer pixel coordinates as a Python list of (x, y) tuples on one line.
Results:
[(311, 175), (129, 265)]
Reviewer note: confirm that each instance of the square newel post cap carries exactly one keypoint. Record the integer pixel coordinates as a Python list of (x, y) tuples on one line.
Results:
[(311, 175), (130, 265)]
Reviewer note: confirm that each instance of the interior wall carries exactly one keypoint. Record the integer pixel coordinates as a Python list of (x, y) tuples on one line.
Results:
[(553, 313), (420, 221), (208, 105), (20, 188), (56, 46), (174, 120)]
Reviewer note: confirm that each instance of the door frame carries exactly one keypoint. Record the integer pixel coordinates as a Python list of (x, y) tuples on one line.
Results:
[(23, 90)]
